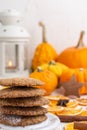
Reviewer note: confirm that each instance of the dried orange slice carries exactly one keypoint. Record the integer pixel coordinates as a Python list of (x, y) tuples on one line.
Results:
[(56, 97), (53, 97), (72, 104), (69, 126), (82, 102), (53, 103), (55, 109), (83, 113), (70, 111)]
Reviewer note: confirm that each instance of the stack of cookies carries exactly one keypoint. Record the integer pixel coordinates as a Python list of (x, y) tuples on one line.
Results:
[(21, 103)]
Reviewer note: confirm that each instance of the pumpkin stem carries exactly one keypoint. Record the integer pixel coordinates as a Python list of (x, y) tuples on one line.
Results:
[(43, 32), (52, 62), (39, 69), (80, 42)]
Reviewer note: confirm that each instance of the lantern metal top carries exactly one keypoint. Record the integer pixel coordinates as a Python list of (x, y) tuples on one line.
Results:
[(10, 30), (10, 12), (10, 16)]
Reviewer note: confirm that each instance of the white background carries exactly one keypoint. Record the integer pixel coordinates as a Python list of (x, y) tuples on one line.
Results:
[(64, 19)]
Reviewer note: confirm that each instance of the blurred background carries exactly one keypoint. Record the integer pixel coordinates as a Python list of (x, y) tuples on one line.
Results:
[(64, 20)]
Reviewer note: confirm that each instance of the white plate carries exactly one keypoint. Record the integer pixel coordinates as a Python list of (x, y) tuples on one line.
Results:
[(52, 123)]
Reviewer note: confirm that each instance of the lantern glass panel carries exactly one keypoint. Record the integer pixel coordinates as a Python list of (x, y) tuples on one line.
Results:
[(11, 58)]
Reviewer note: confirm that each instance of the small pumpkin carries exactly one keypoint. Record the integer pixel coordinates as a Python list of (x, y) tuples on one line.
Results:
[(44, 51), (55, 67), (50, 79), (74, 57), (81, 76)]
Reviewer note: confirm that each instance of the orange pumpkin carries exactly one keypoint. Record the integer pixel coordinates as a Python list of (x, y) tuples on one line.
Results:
[(55, 67), (50, 79), (81, 75), (74, 57), (44, 52)]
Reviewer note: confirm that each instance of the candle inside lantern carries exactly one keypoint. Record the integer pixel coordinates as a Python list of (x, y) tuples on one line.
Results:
[(10, 66)]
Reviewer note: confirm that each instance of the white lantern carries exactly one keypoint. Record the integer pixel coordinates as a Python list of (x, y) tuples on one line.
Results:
[(13, 39)]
